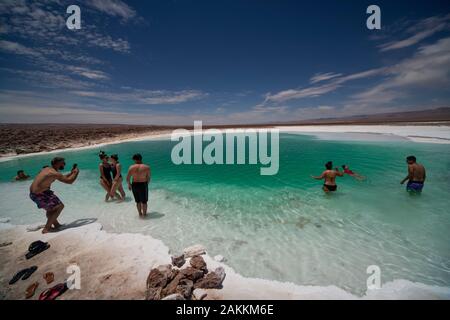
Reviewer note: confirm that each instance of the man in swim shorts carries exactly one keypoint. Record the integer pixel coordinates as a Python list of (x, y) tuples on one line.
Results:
[(44, 198), (330, 177), (139, 186), (416, 176)]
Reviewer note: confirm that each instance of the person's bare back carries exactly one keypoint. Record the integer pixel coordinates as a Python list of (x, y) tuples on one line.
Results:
[(330, 177), (140, 172), (417, 172), (416, 175), (141, 177)]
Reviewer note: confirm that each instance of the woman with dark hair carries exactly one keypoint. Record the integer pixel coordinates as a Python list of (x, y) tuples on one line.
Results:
[(116, 169), (105, 174)]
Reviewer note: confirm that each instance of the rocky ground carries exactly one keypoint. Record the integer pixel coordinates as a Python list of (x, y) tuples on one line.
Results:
[(30, 138), (135, 266)]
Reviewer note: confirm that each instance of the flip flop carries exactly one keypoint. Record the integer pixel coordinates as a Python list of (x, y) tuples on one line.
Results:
[(29, 272), (17, 276), (36, 245), (31, 290), (49, 277), (36, 248), (53, 293)]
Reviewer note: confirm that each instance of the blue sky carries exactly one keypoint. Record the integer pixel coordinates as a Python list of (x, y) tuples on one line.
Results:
[(173, 62)]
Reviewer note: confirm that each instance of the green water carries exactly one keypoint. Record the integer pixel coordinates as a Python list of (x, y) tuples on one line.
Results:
[(278, 227)]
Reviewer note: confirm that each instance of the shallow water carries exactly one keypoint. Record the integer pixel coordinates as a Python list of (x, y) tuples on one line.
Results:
[(278, 227)]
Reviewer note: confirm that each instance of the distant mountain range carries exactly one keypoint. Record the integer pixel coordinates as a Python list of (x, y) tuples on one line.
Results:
[(431, 115)]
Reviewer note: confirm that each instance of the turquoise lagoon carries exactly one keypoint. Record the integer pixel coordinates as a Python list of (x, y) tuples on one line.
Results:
[(279, 227)]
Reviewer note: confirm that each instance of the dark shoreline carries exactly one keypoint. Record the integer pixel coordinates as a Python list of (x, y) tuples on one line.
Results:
[(19, 139)]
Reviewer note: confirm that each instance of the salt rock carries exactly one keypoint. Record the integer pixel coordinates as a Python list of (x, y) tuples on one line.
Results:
[(197, 262), (199, 294), (178, 260), (159, 276), (153, 293), (171, 288), (195, 250), (212, 280), (185, 287), (192, 273), (175, 296)]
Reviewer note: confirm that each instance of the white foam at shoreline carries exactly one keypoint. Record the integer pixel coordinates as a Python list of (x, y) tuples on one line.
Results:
[(115, 266)]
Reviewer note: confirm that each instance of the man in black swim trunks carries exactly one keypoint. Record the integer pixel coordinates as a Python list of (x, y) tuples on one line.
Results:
[(141, 177), (330, 177)]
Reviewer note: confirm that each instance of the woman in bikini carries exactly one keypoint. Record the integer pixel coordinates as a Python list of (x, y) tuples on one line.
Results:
[(105, 174), (329, 175), (116, 169)]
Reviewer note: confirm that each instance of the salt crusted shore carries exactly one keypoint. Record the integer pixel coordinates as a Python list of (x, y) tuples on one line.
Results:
[(430, 133), (116, 266)]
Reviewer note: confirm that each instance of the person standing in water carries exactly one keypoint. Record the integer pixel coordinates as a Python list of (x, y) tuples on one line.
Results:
[(105, 174), (44, 198), (329, 175), (141, 178), (416, 175), (116, 170)]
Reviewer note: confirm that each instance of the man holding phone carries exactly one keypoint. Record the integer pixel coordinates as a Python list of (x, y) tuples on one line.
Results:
[(44, 198)]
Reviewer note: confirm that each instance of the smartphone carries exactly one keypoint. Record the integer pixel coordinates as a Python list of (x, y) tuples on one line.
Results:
[(74, 166)]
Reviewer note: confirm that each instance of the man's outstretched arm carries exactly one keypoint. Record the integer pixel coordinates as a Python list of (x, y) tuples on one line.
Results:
[(339, 173), (69, 178), (319, 177), (409, 176)]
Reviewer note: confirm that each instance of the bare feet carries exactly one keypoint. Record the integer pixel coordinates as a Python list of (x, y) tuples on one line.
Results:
[(48, 230)]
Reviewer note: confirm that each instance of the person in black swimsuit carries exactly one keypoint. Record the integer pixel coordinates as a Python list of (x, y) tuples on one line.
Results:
[(116, 170), (105, 174), (329, 175)]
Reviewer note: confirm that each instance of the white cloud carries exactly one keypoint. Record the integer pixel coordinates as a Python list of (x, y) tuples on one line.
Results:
[(44, 21), (291, 94), (107, 42), (113, 8), (429, 68), (146, 97), (326, 108), (324, 76), (17, 48), (89, 73), (45, 79), (318, 90), (420, 31)]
